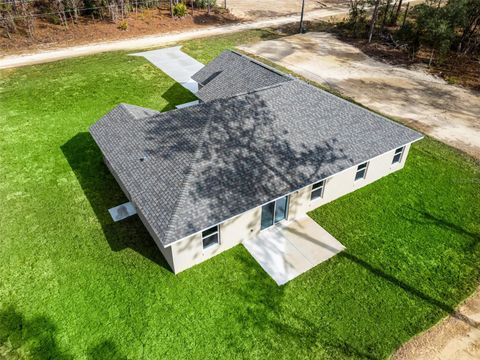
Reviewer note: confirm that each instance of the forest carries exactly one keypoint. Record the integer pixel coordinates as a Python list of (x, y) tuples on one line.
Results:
[(441, 25), (20, 16)]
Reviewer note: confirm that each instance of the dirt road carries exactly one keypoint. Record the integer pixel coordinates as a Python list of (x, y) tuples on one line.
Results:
[(161, 40), (448, 113)]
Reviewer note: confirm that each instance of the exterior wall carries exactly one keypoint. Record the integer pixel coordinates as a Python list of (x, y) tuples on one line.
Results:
[(189, 251), (343, 183), (166, 251)]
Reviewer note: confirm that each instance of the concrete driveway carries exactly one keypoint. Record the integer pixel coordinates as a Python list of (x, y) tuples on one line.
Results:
[(287, 250), (449, 113), (176, 64)]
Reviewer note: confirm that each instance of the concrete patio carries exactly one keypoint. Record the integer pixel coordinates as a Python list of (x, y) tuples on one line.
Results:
[(287, 250)]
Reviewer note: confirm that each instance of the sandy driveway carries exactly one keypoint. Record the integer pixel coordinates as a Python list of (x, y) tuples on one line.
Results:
[(448, 113), (254, 9)]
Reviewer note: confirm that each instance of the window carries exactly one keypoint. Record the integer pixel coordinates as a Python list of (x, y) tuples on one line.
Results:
[(317, 190), (361, 171), (210, 237), (398, 155)]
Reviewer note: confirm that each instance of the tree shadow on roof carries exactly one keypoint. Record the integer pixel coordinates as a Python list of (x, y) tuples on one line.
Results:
[(103, 192), (236, 154)]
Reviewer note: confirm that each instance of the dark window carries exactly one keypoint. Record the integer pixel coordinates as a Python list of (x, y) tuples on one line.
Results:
[(361, 171), (210, 237), (274, 212), (267, 215), (317, 190), (281, 209), (398, 155)]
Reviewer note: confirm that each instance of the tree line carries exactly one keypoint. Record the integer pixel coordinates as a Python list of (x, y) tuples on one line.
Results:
[(440, 25), (21, 14)]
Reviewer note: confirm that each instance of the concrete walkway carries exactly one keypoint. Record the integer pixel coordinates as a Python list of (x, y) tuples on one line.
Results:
[(287, 250), (176, 64)]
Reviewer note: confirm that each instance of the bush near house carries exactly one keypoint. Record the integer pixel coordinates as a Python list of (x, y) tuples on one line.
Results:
[(73, 284)]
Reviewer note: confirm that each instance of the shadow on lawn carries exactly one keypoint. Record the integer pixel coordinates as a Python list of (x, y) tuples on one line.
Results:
[(106, 350), (424, 217), (176, 95), (103, 192), (262, 307), (35, 338), (410, 289)]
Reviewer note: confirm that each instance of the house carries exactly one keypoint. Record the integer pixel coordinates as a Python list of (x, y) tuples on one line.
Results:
[(261, 147)]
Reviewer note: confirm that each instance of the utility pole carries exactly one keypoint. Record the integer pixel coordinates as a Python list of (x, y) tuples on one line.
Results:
[(302, 29)]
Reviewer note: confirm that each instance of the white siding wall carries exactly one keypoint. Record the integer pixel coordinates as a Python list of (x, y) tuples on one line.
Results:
[(189, 251), (343, 183)]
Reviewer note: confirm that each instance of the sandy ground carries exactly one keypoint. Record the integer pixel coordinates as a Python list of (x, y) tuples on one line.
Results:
[(457, 337), (255, 9), (448, 113)]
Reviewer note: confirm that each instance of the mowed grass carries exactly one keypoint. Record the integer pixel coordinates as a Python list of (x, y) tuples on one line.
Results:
[(73, 284)]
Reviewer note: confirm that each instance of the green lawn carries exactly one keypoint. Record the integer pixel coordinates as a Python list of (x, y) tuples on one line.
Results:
[(75, 285)]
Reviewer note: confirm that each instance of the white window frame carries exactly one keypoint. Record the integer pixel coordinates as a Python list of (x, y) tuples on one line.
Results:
[(399, 151), (365, 170), (217, 232), (315, 187)]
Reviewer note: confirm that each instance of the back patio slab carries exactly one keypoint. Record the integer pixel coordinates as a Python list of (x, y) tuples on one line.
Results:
[(287, 250)]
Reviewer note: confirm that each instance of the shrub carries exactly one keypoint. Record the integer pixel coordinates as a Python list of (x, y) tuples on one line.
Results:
[(180, 9), (123, 25), (203, 4)]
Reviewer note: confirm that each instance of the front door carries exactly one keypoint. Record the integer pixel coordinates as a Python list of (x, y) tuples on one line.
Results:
[(274, 212)]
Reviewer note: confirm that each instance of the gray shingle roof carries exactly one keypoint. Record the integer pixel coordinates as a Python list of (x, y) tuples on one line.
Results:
[(206, 163), (232, 73)]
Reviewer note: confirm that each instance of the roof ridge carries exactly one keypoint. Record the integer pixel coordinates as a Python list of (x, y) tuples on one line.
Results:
[(124, 106), (186, 181), (259, 63), (255, 90), (128, 108)]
